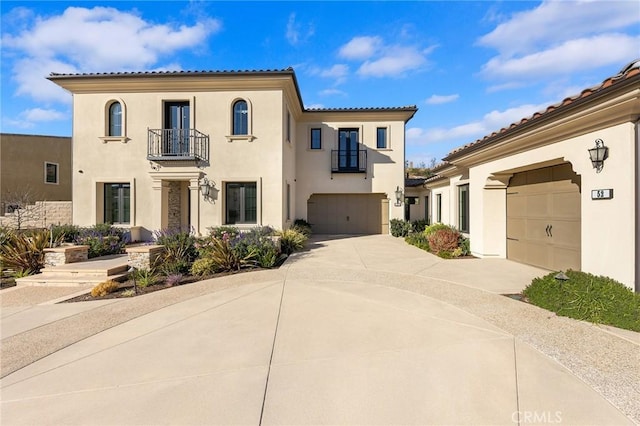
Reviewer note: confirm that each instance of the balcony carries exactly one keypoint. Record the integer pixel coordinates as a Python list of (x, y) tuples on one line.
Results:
[(177, 145), (349, 161)]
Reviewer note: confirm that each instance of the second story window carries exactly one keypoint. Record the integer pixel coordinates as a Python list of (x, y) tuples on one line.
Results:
[(381, 138), (115, 119), (51, 173), (316, 139), (240, 118)]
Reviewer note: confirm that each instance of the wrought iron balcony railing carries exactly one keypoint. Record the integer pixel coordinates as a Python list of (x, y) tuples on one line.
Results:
[(349, 161), (177, 144)]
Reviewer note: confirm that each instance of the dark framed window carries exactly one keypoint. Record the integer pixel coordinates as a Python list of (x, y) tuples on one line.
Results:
[(316, 138), (241, 201), (288, 126), (51, 173), (348, 140), (463, 208), (438, 208), (240, 118), (115, 119), (117, 203), (381, 138)]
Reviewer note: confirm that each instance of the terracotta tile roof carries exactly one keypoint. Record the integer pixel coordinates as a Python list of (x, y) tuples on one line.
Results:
[(414, 182), (632, 70), (170, 73), (366, 109)]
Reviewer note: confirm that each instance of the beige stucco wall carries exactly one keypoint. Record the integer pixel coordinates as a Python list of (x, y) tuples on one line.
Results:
[(22, 167), (607, 227), (385, 167), (97, 162), (418, 211)]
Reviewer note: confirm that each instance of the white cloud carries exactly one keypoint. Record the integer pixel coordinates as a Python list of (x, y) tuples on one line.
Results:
[(314, 106), (360, 48), (441, 99), (395, 61), (566, 58), (40, 114), (559, 38), (296, 33), (332, 92), (491, 122), (100, 39), (555, 21), (337, 71)]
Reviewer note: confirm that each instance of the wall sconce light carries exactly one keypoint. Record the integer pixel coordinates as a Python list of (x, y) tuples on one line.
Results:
[(205, 188), (399, 196), (598, 155)]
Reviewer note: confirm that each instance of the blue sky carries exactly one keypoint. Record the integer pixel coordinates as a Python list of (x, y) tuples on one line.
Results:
[(470, 67)]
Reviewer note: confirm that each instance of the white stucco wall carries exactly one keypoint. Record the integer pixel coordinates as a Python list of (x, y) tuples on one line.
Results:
[(607, 226)]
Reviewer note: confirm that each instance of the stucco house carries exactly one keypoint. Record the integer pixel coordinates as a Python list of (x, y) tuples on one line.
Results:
[(197, 149), (535, 192), (35, 169)]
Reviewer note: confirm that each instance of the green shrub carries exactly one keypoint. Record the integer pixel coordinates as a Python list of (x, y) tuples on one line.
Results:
[(464, 244), (291, 240), (221, 231), (587, 297), (144, 277), (226, 258), (179, 250), (24, 251), (419, 240), (173, 279), (400, 228), (65, 233), (437, 227), (419, 225), (443, 240), (102, 239), (203, 266), (302, 226)]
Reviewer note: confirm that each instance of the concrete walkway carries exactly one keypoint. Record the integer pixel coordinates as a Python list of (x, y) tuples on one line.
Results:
[(364, 330)]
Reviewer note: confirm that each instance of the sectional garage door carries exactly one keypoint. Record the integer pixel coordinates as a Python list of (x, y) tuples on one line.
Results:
[(543, 218), (348, 213)]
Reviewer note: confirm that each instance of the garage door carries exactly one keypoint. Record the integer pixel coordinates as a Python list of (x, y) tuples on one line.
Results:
[(348, 213), (543, 218)]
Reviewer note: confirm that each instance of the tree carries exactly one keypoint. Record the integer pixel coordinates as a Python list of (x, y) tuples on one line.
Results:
[(21, 209)]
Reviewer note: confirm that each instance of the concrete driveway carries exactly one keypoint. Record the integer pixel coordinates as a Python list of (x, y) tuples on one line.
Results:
[(363, 330)]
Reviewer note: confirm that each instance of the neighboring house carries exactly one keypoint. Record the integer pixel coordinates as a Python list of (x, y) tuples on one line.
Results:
[(531, 193), (156, 150), (416, 199), (34, 169)]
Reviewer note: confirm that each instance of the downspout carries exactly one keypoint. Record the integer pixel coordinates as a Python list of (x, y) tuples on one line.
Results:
[(637, 205)]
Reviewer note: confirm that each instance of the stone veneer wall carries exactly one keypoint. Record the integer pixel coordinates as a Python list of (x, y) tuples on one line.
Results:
[(65, 254), (175, 213), (143, 257), (40, 215)]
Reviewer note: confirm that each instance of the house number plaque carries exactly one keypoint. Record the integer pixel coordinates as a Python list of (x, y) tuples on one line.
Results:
[(602, 194)]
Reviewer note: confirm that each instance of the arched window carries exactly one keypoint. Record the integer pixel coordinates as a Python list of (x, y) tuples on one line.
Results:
[(115, 119), (240, 118)]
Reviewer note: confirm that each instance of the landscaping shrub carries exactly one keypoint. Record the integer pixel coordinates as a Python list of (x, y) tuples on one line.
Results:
[(104, 288), (587, 297), (255, 243), (419, 225), (173, 279), (221, 231), (226, 258), (102, 239), (437, 227), (203, 266), (144, 277), (291, 240), (179, 250), (65, 233), (419, 240), (24, 251), (302, 226), (400, 228), (443, 242)]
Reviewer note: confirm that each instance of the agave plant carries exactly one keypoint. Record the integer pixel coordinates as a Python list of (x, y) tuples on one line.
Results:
[(24, 252)]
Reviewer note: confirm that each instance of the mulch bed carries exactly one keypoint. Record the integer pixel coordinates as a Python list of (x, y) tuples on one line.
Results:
[(126, 286)]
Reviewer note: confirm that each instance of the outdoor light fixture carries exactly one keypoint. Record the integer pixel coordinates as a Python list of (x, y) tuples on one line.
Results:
[(598, 155), (399, 196), (561, 276), (205, 188)]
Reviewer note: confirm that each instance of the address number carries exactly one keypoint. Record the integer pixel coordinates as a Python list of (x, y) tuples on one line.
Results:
[(602, 194)]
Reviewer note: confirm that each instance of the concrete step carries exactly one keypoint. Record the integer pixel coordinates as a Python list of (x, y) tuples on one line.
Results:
[(91, 272), (57, 281)]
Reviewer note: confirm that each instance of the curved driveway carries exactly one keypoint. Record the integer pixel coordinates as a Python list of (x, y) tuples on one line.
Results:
[(363, 330)]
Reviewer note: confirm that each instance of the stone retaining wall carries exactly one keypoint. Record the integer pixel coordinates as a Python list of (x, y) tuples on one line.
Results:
[(144, 256), (65, 254)]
